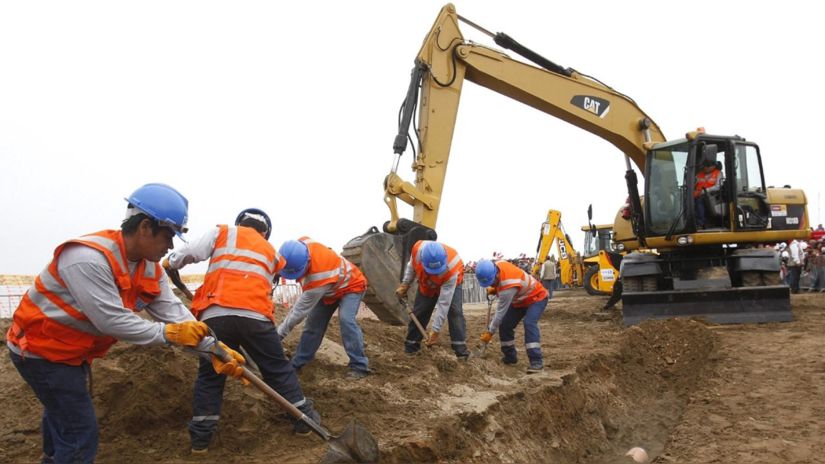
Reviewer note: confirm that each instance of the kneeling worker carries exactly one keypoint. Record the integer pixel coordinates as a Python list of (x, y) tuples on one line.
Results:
[(520, 296)]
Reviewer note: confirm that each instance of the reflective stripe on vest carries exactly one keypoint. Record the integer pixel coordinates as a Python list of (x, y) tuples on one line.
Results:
[(330, 266), (231, 249)]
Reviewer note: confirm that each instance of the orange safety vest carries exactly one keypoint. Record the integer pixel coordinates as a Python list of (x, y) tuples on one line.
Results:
[(529, 289), (48, 321), (240, 273), (428, 284), (326, 267), (705, 181)]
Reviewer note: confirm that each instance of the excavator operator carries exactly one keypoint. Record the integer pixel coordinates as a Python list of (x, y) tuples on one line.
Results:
[(708, 182)]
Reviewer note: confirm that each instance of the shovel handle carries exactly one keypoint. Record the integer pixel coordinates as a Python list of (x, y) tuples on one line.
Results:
[(414, 319), (221, 354)]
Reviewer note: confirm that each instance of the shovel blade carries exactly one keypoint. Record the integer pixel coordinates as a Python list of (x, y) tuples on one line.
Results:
[(355, 445), (479, 351)]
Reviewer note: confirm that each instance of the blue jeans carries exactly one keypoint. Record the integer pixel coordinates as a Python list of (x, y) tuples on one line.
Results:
[(315, 327), (261, 341), (699, 209), (423, 309), (69, 424), (532, 334), (548, 285)]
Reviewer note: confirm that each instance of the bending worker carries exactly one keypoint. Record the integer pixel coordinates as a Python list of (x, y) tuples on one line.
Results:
[(234, 301), (520, 296), (86, 300), (329, 282), (440, 273)]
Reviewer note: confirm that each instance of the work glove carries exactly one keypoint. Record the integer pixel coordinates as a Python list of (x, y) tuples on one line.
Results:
[(233, 367), (432, 339), (491, 290), (486, 337), (167, 266), (187, 333), (401, 291)]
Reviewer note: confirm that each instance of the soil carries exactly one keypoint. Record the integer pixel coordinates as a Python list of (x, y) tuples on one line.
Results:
[(685, 391)]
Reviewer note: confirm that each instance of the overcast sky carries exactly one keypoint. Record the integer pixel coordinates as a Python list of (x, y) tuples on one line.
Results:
[(291, 107)]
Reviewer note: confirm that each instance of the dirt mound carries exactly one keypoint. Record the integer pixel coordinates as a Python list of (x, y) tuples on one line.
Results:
[(606, 388)]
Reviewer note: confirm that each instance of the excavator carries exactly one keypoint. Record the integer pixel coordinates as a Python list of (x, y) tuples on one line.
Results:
[(571, 269), (715, 270)]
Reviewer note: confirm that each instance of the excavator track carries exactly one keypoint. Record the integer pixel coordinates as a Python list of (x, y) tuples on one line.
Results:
[(379, 257)]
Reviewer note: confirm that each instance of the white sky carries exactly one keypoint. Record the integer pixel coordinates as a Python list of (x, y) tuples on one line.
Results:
[(291, 107)]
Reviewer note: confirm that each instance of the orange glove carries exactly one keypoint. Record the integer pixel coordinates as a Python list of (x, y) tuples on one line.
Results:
[(166, 264), (433, 339), (188, 333), (486, 337), (401, 291), (491, 290), (233, 367)]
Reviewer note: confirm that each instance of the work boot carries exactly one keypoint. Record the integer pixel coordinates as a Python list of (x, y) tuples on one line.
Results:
[(509, 360), (536, 365), (199, 451), (357, 374), (299, 427)]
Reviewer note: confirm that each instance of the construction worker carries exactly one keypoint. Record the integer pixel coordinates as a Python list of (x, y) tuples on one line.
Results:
[(708, 181), (329, 282), (547, 274), (235, 302), (440, 272), (86, 300), (520, 296)]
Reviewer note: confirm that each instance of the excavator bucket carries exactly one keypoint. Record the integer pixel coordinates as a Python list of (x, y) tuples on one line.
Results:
[(379, 257), (742, 305)]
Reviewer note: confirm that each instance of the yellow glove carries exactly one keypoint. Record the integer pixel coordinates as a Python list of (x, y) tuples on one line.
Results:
[(188, 333), (233, 367), (491, 290), (401, 291), (486, 337), (433, 339), (166, 264)]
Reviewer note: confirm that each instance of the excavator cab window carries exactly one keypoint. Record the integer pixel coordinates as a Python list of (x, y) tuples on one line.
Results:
[(716, 198), (750, 199), (666, 192)]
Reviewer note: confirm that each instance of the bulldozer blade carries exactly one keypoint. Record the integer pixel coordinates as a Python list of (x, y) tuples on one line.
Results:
[(740, 305), (355, 444)]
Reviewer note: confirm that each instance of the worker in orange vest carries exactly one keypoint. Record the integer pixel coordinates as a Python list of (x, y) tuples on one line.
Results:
[(329, 282), (440, 273), (520, 296), (708, 181), (235, 302), (86, 300)]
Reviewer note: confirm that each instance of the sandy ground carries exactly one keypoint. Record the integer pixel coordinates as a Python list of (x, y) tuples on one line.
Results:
[(685, 391)]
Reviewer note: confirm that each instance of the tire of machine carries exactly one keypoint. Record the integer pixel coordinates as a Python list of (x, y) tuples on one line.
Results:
[(591, 280)]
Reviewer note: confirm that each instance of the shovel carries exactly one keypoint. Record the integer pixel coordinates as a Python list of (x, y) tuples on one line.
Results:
[(480, 349), (414, 319), (355, 444)]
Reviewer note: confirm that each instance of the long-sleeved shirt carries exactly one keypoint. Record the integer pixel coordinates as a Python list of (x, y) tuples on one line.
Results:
[(201, 250), (505, 298), (445, 296), (88, 277), (306, 302)]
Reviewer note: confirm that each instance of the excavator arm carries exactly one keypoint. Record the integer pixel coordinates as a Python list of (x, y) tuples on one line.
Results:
[(570, 264), (446, 60)]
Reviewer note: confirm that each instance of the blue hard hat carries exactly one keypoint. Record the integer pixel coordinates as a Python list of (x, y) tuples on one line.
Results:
[(486, 272), (257, 215), (163, 204), (296, 254), (434, 258)]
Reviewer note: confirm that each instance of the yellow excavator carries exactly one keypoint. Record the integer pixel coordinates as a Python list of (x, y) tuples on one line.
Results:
[(571, 268), (716, 270)]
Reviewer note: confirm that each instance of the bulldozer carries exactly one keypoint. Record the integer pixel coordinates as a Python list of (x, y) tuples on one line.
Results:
[(714, 270)]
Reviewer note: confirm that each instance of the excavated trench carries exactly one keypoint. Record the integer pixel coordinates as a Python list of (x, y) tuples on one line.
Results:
[(613, 402)]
